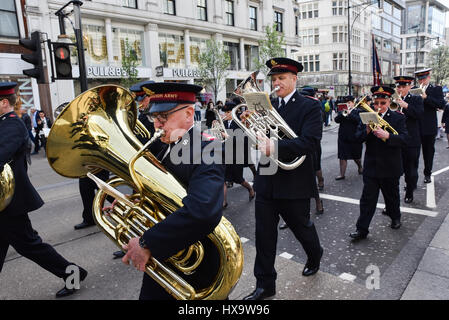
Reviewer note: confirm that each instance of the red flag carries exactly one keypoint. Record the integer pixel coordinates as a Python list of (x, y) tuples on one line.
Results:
[(377, 73)]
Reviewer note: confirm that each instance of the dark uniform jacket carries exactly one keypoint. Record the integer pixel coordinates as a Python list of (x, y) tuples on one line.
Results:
[(348, 125), (13, 147), (384, 159), (434, 101), (303, 116), (202, 206), (412, 114)]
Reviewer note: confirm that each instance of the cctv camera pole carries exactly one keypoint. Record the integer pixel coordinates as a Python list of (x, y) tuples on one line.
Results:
[(79, 45)]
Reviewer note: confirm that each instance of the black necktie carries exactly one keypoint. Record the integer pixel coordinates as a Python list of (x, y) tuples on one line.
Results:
[(282, 104)]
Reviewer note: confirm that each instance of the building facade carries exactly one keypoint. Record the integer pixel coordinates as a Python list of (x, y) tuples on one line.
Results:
[(423, 29), (166, 35)]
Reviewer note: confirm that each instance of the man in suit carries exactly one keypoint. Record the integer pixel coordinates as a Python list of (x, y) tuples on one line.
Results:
[(382, 165), (433, 100), (287, 192), (412, 107), (172, 109), (348, 146), (15, 225)]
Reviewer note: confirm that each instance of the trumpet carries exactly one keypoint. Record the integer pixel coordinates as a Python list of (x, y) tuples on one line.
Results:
[(396, 98), (381, 123), (347, 112)]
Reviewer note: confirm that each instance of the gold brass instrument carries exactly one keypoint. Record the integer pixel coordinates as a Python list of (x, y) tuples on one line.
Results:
[(96, 131), (381, 123), (7, 185), (263, 121)]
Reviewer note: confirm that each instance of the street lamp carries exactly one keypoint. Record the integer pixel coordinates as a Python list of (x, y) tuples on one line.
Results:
[(424, 43), (349, 36)]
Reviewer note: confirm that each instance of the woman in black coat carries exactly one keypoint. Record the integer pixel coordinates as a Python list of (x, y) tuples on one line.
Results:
[(210, 114)]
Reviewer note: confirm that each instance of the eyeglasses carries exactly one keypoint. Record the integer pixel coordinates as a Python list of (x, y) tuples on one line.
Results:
[(380, 103), (163, 117)]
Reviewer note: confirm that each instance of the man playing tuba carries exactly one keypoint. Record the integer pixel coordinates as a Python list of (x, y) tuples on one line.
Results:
[(172, 110)]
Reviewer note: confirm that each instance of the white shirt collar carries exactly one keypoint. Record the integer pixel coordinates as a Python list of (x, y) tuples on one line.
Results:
[(287, 98)]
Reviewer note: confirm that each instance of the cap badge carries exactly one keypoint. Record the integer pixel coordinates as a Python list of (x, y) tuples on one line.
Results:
[(148, 92)]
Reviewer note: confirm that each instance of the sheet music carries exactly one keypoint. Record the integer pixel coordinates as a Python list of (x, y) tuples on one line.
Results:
[(257, 101), (369, 117), (416, 91)]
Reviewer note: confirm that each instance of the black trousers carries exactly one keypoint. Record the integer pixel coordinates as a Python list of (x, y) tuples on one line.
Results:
[(428, 151), (296, 214), (87, 191), (410, 162), (19, 233), (370, 196)]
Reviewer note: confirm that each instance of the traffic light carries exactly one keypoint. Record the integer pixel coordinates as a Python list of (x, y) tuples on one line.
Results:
[(62, 60), (35, 58)]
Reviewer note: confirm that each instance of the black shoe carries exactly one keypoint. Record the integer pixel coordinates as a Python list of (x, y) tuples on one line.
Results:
[(64, 292), (358, 235), (260, 294), (283, 226), (340, 178), (309, 268), (395, 224), (83, 225), (408, 198), (225, 205), (118, 254), (427, 179)]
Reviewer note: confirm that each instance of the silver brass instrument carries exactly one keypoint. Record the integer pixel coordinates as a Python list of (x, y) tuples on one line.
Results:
[(420, 90), (347, 112), (7, 185), (264, 121), (395, 98), (218, 129), (96, 131)]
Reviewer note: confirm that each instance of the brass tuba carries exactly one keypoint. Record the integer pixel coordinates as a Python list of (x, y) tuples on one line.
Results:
[(263, 120), (96, 131), (7, 185)]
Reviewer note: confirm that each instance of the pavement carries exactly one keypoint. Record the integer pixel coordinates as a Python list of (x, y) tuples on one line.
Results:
[(417, 270)]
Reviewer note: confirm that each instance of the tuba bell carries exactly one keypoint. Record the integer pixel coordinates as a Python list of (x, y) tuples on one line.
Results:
[(263, 120), (7, 185), (96, 131)]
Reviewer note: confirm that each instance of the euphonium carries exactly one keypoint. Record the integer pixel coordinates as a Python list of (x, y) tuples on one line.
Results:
[(263, 121), (381, 122), (96, 131), (7, 185)]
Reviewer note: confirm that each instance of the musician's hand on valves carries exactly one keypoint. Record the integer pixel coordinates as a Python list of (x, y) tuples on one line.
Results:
[(136, 254), (402, 103), (265, 144), (381, 134), (424, 95)]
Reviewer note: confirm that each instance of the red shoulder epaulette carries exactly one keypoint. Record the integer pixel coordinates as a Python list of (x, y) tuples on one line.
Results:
[(208, 137), (12, 115), (313, 98)]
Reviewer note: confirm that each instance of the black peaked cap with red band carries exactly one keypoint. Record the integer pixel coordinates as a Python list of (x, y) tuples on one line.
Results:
[(382, 91), (401, 80), (165, 96), (421, 74), (137, 89), (282, 65), (7, 88)]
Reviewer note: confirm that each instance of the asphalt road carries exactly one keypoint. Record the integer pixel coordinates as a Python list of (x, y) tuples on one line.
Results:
[(345, 267)]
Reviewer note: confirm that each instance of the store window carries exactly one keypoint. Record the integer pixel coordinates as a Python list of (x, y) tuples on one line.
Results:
[(9, 26), (234, 53), (126, 41), (94, 42), (171, 50), (197, 46)]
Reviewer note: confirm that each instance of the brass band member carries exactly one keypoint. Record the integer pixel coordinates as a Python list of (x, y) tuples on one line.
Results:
[(382, 165), (287, 193), (15, 225), (172, 109), (412, 107), (433, 100), (348, 146)]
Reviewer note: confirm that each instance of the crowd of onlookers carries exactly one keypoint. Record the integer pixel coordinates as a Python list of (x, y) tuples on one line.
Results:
[(38, 126)]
